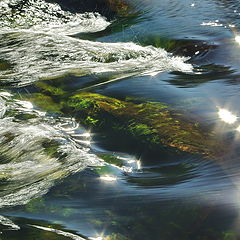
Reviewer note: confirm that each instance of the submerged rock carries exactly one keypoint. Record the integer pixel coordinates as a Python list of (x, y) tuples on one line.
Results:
[(152, 125)]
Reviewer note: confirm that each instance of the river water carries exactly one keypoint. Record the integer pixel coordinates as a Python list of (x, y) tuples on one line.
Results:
[(54, 184)]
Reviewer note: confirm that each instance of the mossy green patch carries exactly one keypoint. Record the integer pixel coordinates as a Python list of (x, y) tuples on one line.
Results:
[(5, 65), (91, 121), (140, 129), (46, 88), (45, 102), (121, 7), (153, 124), (109, 158), (36, 205), (81, 104)]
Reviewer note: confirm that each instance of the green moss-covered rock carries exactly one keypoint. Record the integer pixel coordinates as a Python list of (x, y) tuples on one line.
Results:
[(50, 89), (152, 124), (45, 102), (111, 159)]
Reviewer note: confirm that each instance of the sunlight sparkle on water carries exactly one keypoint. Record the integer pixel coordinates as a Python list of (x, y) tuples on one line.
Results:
[(97, 238), (238, 128), (86, 134), (139, 165), (108, 178), (237, 39), (153, 74), (227, 116), (25, 104), (85, 142), (131, 161)]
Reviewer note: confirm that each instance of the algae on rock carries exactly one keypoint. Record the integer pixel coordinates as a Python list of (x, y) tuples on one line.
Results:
[(153, 125)]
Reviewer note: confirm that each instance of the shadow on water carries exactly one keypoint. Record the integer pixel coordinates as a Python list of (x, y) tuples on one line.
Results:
[(205, 74)]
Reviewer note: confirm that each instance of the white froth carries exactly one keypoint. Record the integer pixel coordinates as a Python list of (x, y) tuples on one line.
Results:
[(59, 232), (2, 108), (39, 56), (40, 49), (35, 154), (7, 222), (48, 17)]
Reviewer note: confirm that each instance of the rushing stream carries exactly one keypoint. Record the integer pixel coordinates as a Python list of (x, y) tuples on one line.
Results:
[(60, 178)]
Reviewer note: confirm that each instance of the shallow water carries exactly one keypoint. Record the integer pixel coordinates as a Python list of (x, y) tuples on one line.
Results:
[(61, 181)]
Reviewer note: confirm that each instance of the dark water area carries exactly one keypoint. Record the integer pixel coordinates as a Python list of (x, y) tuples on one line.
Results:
[(60, 178)]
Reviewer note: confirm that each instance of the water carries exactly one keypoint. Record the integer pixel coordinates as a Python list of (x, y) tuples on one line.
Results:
[(60, 180)]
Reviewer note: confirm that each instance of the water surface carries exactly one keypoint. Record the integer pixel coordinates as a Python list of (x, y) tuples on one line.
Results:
[(54, 184)]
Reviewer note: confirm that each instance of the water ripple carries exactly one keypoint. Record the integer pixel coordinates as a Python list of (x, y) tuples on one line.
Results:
[(34, 154)]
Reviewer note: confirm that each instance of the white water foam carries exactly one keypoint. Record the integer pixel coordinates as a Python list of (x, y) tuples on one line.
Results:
[(8, 223), (33, 42), (2, 108), (34, 154), (60, 232), (39, 15), (36, 56)]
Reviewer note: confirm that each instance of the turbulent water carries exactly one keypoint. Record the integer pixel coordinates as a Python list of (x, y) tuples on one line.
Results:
[(56, 55), (36, 46), (36, 152), (47, 17), (53, 181)]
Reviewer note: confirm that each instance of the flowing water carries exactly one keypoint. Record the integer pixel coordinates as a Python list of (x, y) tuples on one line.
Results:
[(54, 183)]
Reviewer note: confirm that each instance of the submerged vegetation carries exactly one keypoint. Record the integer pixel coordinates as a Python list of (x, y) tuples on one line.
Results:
[(154, 125)]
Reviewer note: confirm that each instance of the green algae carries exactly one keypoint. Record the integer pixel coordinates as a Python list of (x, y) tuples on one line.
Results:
[(151, 123), (160, 42), (50, 89), (44, 102), (81, 104), (154, 125), (40, 205), (35, 205), (106, 170), (111, 159)]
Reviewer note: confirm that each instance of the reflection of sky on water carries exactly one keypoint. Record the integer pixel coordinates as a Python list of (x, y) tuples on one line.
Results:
[(208, 187)]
